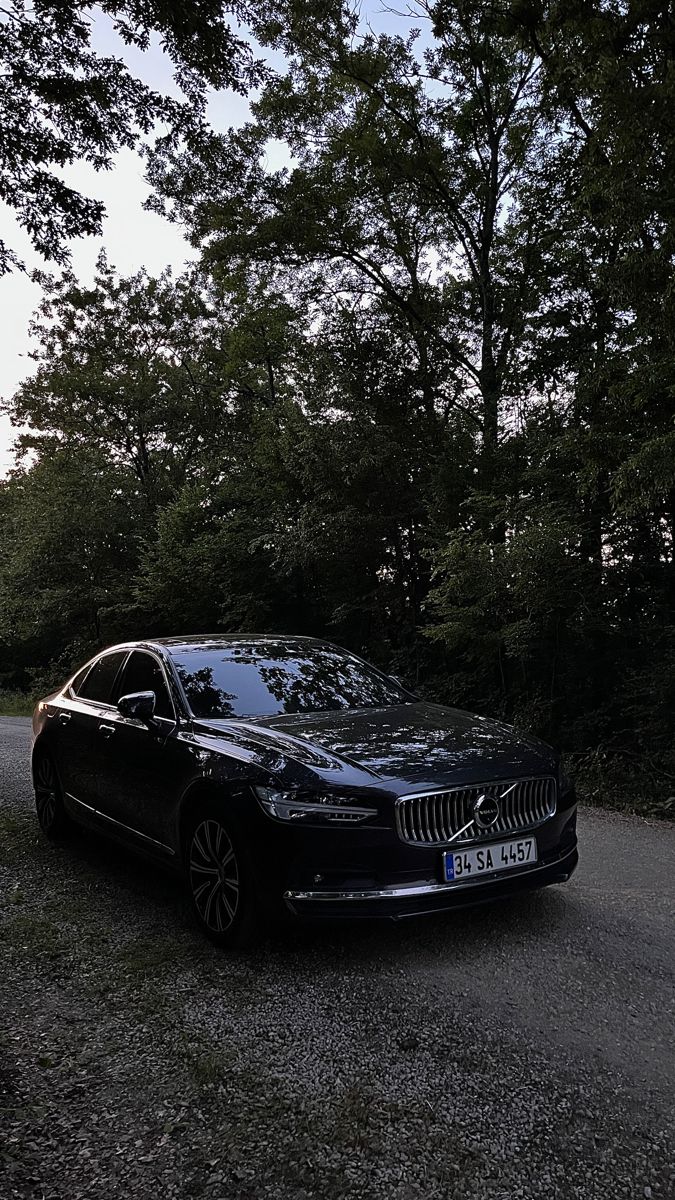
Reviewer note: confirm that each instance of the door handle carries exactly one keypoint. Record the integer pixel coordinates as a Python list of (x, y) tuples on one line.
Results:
[(106, 731), (64, 718)]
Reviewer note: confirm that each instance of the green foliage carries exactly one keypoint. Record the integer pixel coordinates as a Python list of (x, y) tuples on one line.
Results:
[(122, 387), (515, 621), (70, 549), (15, 704), (61, 101)]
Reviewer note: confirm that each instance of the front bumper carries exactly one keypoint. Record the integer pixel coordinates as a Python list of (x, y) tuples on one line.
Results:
[(371, 872), (427, 897)]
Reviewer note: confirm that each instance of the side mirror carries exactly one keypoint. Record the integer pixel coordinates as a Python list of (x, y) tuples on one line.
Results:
[(138, 706)]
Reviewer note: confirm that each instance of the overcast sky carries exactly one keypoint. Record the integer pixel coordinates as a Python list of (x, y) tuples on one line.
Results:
[(131, 237)]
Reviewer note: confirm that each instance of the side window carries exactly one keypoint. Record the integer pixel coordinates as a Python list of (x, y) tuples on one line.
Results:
[(144, 674), (98, 682), (79, 680)]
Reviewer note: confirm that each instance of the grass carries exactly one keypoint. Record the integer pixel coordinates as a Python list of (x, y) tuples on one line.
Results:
[(11, 826), (32, 933), (12, 835), (16, 704), (144, 956), (208, 1067)]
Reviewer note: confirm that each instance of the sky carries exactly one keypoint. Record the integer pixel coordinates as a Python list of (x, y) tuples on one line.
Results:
[(131, 237)]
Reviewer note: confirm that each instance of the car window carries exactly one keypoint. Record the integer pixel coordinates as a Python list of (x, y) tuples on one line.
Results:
[(79, 679), (143, 673), (240, 679), (98, 682)]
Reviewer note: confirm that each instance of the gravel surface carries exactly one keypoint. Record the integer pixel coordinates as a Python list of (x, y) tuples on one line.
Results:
[(523, 1050)]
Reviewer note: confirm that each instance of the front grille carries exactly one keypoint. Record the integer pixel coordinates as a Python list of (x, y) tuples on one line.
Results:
[(434, 818)]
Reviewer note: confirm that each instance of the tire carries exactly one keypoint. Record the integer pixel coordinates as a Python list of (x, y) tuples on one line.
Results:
[(51, 814), (221, 883)]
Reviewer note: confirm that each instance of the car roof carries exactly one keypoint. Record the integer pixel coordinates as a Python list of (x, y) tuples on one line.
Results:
[(218, 641)]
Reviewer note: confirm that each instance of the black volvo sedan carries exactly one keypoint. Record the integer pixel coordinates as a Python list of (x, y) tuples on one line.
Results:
[(285, 775)]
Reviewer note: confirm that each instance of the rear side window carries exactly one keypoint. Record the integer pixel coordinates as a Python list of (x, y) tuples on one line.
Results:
[(79, 680), (98, 682), (144, 674)]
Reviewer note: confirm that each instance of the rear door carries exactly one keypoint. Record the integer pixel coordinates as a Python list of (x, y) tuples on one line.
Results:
[(145, 767), (78, 717)]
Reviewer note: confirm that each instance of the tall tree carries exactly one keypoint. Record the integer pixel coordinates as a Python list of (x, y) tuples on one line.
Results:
[(71, 544), (120, 370), (410, 182)]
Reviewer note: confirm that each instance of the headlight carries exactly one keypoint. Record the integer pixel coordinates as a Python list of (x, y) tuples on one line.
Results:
[(564, 781), (288, 806)]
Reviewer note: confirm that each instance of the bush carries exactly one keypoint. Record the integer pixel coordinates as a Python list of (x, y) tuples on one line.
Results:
[(617, 778), (16, 704)]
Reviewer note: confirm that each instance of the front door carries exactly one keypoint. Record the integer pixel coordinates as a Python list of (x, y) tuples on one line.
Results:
[(145, 767)]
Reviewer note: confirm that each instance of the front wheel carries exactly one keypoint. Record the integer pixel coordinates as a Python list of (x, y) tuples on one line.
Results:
[(51, 814), (220, 880)]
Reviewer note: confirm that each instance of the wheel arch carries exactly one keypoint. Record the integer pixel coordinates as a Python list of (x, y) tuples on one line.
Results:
[(206, 792), (42, 745)]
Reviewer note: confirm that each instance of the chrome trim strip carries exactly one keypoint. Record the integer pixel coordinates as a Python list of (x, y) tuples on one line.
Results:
[(412, 831), (426, 889), (129, 828), (88, 705)]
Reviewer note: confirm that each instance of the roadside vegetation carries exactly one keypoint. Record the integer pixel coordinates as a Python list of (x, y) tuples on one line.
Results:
[(416, 395), (15, 704)]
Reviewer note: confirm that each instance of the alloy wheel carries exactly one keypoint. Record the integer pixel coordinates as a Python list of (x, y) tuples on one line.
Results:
[(46, 793), (214, 875)]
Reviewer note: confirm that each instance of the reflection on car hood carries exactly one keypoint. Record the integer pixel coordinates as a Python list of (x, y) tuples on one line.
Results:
[(419, 744)]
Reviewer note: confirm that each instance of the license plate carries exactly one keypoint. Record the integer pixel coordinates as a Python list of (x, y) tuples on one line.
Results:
[(484, 860)]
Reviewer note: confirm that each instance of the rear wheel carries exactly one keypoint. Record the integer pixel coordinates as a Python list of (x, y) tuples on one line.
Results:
[(51, 814), (220, 880)]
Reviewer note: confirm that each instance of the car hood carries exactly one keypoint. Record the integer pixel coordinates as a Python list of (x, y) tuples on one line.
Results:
[(419, 744)]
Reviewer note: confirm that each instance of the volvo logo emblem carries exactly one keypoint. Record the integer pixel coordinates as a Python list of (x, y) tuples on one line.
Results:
[(485, 811)]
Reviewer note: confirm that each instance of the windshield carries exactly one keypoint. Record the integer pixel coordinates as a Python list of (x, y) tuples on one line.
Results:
[(270, 678)]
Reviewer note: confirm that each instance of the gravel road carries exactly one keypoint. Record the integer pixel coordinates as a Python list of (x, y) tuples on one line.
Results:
[(525, 1050)]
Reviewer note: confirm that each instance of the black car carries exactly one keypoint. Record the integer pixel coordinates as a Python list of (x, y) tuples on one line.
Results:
[(285, 775)]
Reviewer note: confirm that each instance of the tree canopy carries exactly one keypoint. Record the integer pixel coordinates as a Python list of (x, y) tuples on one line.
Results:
[(62, 101)]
